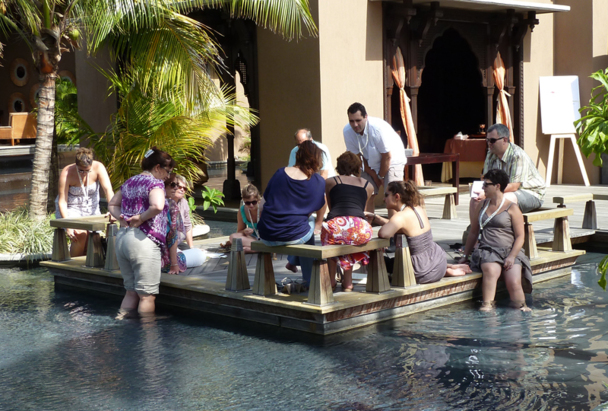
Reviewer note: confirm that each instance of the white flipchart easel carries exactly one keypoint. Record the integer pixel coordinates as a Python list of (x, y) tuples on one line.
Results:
[(559, 105)]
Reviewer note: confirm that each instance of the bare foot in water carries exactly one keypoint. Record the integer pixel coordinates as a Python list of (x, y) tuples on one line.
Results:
[(455, 270), (521, 305), (292, 268), (487, 306)]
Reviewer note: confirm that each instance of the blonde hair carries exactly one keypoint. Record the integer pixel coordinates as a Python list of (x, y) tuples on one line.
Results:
[(178, 177), (84, 157), (250, 191)]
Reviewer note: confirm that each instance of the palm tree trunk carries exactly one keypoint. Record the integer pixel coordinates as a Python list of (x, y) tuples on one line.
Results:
[(44, 146)]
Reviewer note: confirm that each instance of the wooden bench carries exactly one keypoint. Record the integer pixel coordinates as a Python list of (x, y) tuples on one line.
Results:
[(449, 205), (561, 229), (95, 252), (21, 126), (320, 292), (590, 216)]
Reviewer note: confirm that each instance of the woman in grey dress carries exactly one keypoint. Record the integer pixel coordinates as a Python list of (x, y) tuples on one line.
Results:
[(500, 244), (428, 258)]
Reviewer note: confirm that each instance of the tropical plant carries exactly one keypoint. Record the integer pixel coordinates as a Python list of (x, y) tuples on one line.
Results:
[(69, 126), (212, 198), (21, 235), (593, 124), (148, 118), (177, 51)]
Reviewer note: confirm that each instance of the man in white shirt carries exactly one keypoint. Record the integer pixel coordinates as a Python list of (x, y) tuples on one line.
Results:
[(380, 146), (302, 135)]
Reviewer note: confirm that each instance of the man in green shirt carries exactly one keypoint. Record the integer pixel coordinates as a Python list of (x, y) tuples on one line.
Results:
[(526, 187)]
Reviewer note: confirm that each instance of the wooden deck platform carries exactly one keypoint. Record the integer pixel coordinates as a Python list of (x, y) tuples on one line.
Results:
[(203, 291)]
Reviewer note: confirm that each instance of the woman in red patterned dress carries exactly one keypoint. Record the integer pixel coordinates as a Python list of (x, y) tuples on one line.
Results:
[(347, 195)]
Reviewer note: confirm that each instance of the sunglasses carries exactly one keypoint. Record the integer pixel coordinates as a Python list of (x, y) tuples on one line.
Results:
[(179, 186), (83, 171), (493, 140), (255, 202), (488, 184)]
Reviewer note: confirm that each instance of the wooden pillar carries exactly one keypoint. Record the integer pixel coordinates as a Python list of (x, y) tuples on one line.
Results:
[(111, 262), (530, 242), (61, 251), (561, 234), (590, 216), (237, 278), (319, 292), (377, 277), (403, 271), (95, 256), (264, 282)]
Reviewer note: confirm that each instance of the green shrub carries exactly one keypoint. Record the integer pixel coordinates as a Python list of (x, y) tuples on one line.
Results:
[(20, 235)]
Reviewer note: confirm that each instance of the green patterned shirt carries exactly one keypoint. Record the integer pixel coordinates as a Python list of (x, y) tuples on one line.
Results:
[(520, 168)]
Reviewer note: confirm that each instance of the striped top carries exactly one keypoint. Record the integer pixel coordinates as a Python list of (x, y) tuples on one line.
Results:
[(520, 168)]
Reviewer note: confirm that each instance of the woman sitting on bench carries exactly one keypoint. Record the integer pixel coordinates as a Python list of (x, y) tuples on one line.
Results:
[(291, 196), (500, 245), (180, 228), (247, 218), (428, 258), (347, 196)]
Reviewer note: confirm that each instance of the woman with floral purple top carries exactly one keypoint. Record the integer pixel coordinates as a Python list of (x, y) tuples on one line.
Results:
[(141, 209)]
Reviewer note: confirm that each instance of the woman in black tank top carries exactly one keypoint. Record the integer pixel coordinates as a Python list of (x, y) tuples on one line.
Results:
[(347, 195)]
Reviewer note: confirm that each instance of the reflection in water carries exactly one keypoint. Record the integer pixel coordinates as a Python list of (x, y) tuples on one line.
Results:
[(69, 350)]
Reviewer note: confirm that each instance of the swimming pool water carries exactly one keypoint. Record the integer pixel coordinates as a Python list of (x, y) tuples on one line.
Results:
[(65, 351)]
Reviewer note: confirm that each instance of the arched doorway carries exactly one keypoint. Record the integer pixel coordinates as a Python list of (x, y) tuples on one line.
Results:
[(451, 96)]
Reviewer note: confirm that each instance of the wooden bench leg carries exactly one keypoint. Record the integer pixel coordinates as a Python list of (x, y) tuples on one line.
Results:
[(377, 278), (264, 282), (530, 242), (561, 235), (319, 292), (237, 278), (111, 262), (449, 208), (590, 217), (61, 252), (403, 271), (95, 256)]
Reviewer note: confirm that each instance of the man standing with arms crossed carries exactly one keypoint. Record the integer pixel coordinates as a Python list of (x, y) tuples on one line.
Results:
[(381, 148)]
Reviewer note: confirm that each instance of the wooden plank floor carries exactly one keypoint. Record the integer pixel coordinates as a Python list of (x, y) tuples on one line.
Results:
[(445, 232)]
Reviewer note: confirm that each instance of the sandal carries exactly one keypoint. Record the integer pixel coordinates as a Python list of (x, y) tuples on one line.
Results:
[(225, 247)]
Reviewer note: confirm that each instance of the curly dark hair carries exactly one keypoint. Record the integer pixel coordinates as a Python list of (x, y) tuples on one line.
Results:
[(410, 196), (498, 177), (157, 157), (349, 164), (309, 158)]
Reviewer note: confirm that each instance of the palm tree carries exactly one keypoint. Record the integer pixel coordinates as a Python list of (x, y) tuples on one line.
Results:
[(177, 51), (147, 119)]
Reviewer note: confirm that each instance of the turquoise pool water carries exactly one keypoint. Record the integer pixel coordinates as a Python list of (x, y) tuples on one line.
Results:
[(65, 351)]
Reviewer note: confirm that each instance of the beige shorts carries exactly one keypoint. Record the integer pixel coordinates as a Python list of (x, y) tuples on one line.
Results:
[(394, 174), (139, 261)]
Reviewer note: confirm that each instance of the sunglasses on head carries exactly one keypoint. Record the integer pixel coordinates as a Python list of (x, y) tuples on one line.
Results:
[(493, 140), (179, 186), (254, 202)]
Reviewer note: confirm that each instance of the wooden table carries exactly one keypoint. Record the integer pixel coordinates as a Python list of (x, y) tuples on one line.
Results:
[(433, 158), (472, 155)]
